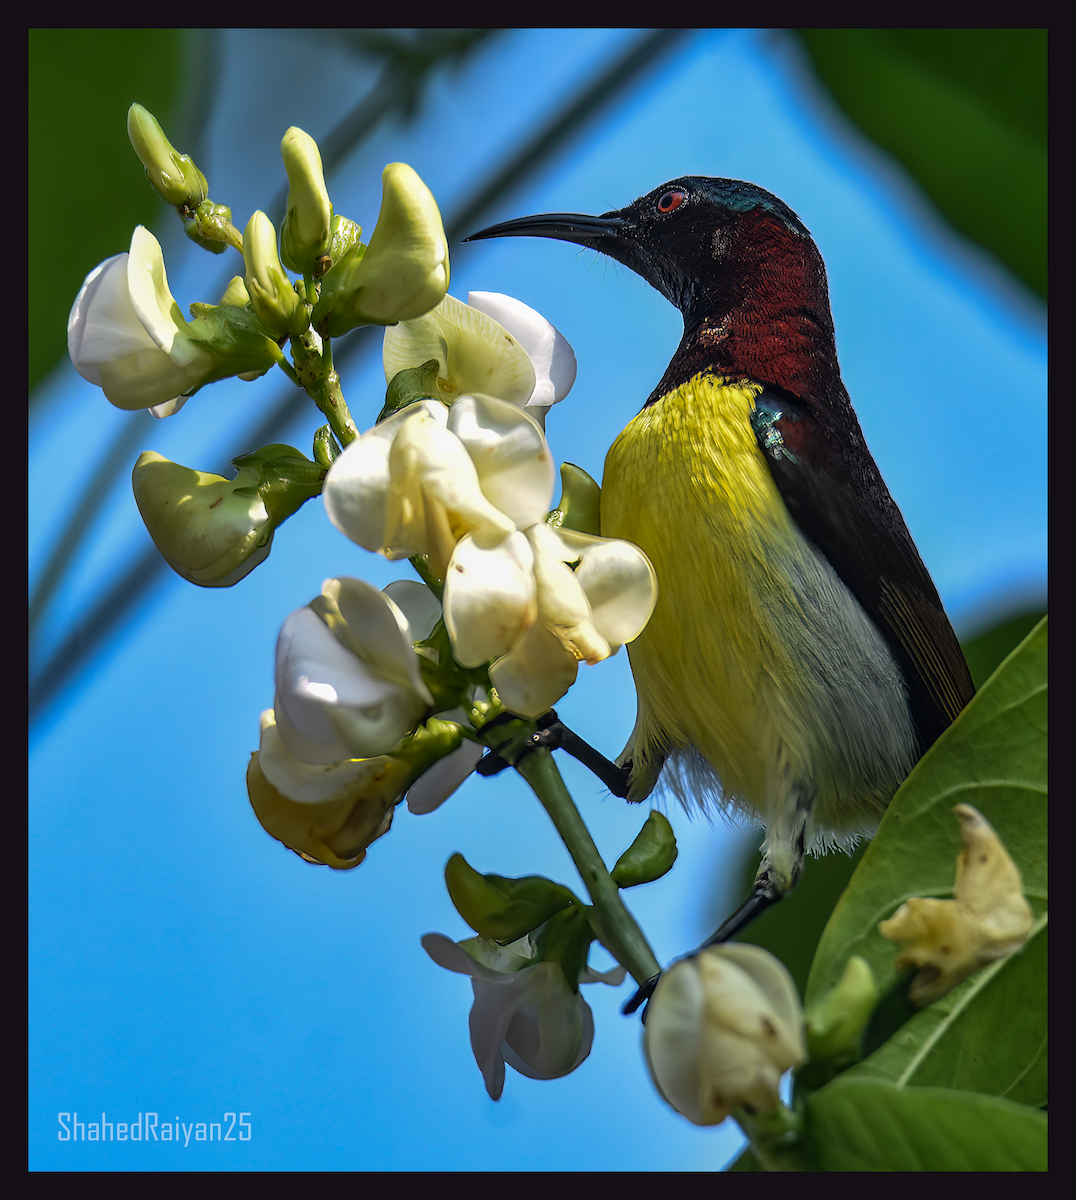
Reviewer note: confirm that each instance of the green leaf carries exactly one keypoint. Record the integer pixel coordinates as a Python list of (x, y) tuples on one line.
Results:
[(964, 111), (985, 651), (988, 1035), (870, 1125)]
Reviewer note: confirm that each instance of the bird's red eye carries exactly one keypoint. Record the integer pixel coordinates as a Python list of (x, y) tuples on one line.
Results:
[(670, 201)]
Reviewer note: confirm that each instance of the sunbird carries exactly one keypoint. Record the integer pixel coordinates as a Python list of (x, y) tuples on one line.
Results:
[(799, 661)]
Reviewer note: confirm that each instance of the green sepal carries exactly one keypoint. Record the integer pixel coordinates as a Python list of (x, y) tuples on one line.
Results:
[(409, 386), (208, 226), (500, 909), (565, 938), (344, 237), (286, 479), (430, 742), (238, 342), (650, 856), (326, 447), (580, 500)]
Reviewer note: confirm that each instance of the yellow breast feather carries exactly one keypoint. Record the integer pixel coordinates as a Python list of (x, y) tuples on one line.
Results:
[(758, 668)]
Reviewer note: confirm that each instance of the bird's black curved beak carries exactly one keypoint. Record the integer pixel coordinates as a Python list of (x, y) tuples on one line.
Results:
[(598, 232)]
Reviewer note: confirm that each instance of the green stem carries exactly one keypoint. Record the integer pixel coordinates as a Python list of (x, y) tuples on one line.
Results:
[(777, 1139), (289, 370), (619, 932), (320, 381)]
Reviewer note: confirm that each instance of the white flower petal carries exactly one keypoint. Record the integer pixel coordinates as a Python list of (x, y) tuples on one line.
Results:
[(103, 326), (307, 783), (620, 585), (534, 675), (418, 604), (514, 465), (562, 604), (357, 485), (169, 408), (434, 786), (377, 632), (474, 353), (548, 349), (329, 703), (552, 1028), (489, 598)]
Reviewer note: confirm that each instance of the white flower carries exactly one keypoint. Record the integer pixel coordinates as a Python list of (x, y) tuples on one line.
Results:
[(721, 1030), (470, 486), (127, 335), (348, 683), (524, 1013), (494, 345)]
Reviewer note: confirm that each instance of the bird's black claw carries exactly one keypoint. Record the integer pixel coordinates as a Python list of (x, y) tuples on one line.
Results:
[(642, 996)]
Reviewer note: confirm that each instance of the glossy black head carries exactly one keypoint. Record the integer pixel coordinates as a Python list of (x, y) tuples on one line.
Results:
[(682, 237), (737, 262)]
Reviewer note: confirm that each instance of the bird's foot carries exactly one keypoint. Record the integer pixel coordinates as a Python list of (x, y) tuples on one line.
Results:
[(642, 996), (553, 734)]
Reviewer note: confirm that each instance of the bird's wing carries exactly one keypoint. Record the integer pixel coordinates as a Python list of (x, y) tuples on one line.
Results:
[(835, 494)]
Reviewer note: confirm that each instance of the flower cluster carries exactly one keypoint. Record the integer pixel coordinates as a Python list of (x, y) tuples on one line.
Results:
[(469, 487)]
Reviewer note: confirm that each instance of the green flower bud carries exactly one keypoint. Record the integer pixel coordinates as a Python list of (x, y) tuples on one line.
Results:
[(326, 447), (403, 272), (173, 176), (580, 499), (649, 857), (271, 294), (500, 909), (305, 235), (210, 530), (835, 1023), (209, 225), (236, 294)]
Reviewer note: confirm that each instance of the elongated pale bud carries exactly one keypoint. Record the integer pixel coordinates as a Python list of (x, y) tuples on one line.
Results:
[(271, 294), (403, 272), (305, 235), (173, 176)]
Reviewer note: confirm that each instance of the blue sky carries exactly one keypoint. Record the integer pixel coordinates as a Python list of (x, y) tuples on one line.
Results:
[(184, 963)]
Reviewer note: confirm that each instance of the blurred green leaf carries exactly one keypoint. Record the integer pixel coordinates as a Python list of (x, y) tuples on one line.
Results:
[(964, 111), (869, 1125), (87, 188), (994, 758), (986, 650), (988, 1035)]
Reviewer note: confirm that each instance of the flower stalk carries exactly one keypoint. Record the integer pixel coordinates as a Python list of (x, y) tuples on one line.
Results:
[(619, 932), (321, 382), (776, 1139)]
